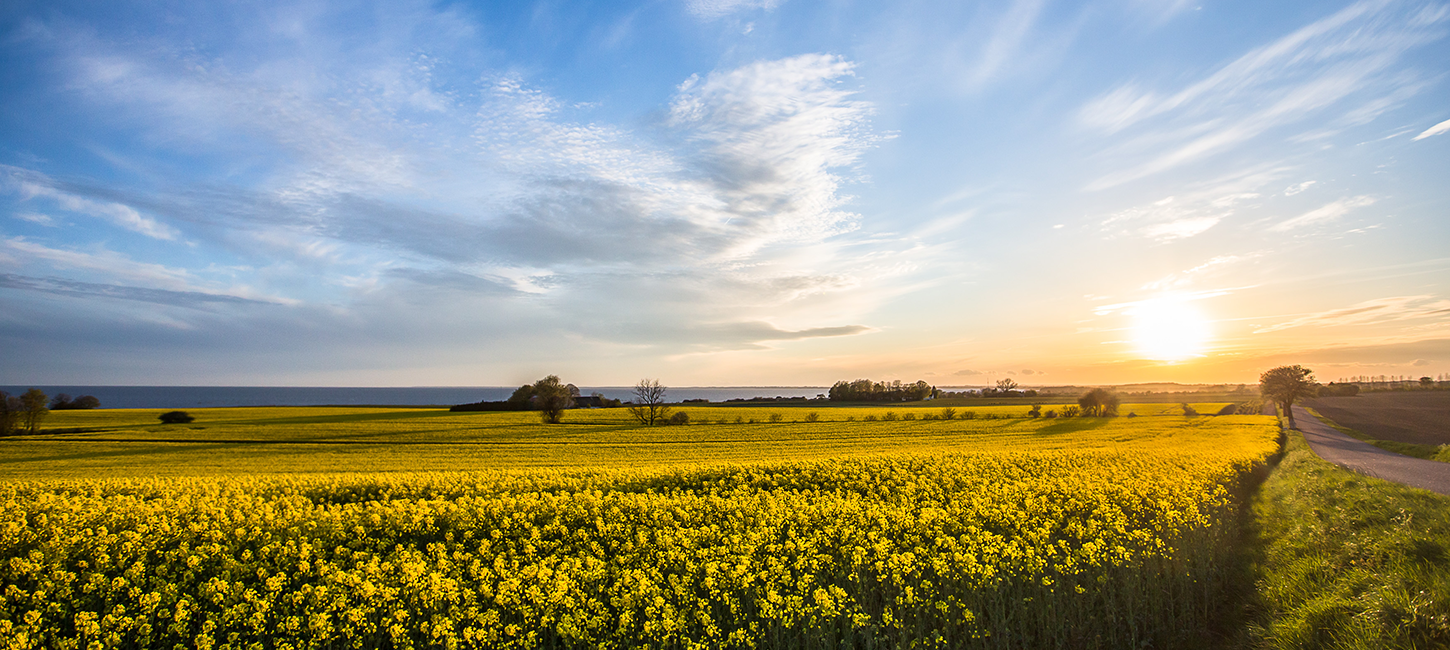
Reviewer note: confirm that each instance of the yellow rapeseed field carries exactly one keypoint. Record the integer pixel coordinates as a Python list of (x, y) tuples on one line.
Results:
[(987, 533)]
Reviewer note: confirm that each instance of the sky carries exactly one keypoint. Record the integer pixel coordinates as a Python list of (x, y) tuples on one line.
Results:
[(722, 192)]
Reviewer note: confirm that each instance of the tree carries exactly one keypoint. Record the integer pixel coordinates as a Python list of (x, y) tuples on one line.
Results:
[(552, 397), (1286, 385), (9, 413), (649, 402), (60, 402), (1006, 385), (32, 404), (1427, 382), (522, 394), (1098, 402), (175, 417)]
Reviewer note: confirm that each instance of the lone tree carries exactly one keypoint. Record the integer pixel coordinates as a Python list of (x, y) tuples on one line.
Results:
[(1098, 402), (551, 397), (649, 403), (1006, 385), (175, 417), (1288, 384), (32, 404)]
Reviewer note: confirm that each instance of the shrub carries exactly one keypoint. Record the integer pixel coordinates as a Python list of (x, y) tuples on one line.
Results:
[(739, 420), (1188, 410), (1036, 411), (1069, 411), (812, 417), (870, 418), (175, 417), (948, 413), (890, 416), (850, 418), (909, 416), (1132, 414), (1050, 414), (969, 415), (680, 417), (776, 417)]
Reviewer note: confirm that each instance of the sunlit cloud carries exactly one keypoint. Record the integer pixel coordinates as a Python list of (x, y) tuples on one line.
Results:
[(1329, 212), (1381, 310), (1434, 130)]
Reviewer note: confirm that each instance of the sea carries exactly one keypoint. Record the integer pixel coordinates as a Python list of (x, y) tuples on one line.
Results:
[(178, 397)]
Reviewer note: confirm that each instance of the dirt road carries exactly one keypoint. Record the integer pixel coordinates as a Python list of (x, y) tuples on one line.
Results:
[(1370, 460)]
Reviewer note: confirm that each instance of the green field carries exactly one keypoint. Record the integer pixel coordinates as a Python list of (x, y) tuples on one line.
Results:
[(122, 442)]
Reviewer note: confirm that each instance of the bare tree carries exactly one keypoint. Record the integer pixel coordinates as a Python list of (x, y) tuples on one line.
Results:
[(1286, 385), (1006, 385), (32, 404), (649, 402), (552, 397)]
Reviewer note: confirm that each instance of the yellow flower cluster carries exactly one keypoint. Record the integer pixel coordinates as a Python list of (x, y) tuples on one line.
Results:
[(1012, 550)]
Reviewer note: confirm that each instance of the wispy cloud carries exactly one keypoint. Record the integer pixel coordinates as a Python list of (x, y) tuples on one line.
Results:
[(1434, 130), (148, 279), (1199, 208), (61, 286), (31, 185), (1381, 310), (712, 9), (1309, 70), (1329, 212)]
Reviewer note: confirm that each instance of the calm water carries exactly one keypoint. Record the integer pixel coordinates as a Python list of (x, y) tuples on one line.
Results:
[(162, 397)]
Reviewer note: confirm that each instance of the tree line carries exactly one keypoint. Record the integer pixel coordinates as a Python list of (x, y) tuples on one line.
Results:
[(25, 411), (865, 390)]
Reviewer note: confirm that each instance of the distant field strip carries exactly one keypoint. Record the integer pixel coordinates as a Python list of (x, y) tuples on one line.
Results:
[(132, 443), (1017, 533)]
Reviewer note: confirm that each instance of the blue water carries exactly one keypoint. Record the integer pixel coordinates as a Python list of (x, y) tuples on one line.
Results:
[(175, 397)]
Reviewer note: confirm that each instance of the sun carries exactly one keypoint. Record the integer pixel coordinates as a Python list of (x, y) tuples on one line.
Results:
[(1169, 329)]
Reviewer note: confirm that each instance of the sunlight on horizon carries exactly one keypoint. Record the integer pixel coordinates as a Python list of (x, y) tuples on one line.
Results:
[(1169, 329)]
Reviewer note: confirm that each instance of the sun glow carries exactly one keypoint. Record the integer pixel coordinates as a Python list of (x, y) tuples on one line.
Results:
[(1169, 329)]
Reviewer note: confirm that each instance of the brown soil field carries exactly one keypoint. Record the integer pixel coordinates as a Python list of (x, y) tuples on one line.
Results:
[(1419, 417)]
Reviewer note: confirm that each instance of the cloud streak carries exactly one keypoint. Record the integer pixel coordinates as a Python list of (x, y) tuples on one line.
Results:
[(1382, 310), (1278, 84)]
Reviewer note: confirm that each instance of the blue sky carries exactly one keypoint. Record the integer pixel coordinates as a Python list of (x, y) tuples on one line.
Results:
[(722, 192)]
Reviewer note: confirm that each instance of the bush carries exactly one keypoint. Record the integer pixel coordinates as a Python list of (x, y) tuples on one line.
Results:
[(870, 418), (1188, 410), (890, 416), (812, 417), (680, 417), (175, 417), (909, 416), (1036, 411), (1050, 414), (1069, 411), (776, 417), (969, 415), (948, 413)]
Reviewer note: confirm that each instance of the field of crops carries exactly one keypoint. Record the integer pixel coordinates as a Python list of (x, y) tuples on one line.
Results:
[(1005, 533), (132, 443)]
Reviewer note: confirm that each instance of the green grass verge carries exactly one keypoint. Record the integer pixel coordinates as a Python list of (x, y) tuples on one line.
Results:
[(1427, 452), (1347, 561)]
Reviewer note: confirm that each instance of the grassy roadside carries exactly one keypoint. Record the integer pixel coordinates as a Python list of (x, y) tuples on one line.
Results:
[(1427, 452), (1346, 561)]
